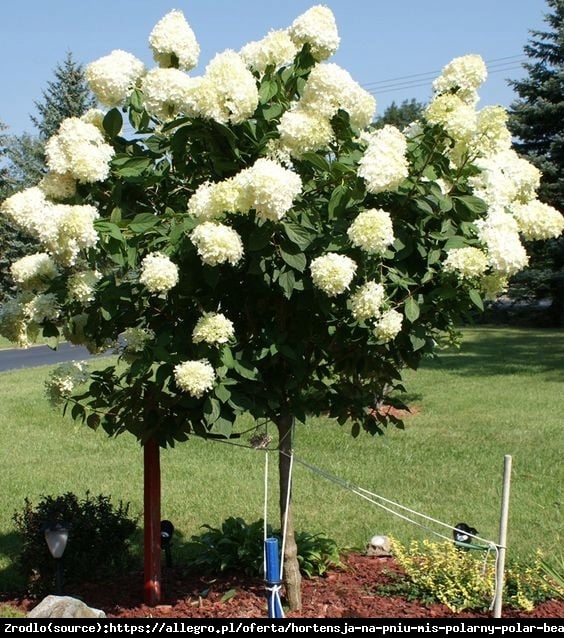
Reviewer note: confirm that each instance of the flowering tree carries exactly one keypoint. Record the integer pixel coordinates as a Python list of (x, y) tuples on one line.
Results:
[(256, 245)]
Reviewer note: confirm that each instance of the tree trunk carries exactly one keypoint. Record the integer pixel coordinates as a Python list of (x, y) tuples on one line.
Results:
[(152, 522), (292, 576)]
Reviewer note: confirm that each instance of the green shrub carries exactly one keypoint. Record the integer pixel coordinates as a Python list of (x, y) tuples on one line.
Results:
[(440, 572), (98, 542), (239, 546)]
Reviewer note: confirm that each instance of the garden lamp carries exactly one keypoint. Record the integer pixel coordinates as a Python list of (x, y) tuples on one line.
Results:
[(167, 529), (56, 536)]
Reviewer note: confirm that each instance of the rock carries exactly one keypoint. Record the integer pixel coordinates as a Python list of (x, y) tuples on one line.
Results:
[(379, 546), (64, 607)]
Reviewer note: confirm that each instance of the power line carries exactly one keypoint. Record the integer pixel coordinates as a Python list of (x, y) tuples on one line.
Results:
[(497, 65)]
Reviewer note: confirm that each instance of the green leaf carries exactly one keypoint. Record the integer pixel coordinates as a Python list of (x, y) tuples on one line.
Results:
[(212, 410), (411, 309), (131, 166), (142, 222), (476, 298), (287, 281), (317, 160), (222, 426), (113, 123), (222, 393), (136, 100), (268, 89), (108, 228), (296, 260), (230, 593), (473, 204), (338, 201), (298, 235), (246, 370)]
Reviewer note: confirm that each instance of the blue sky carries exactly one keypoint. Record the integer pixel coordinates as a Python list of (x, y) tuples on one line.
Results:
[(393, 48)]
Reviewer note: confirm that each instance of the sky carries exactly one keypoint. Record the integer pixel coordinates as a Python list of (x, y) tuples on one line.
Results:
[(393, 48)]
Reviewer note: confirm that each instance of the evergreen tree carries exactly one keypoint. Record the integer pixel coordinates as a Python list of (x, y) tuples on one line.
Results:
[(536, 119), (401, 116), (66, 96), (13, 242)]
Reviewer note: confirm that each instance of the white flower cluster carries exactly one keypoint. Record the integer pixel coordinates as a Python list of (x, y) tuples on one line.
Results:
[(505, 179), (458, 118), (234, 89), (34, 271), (266, 186), (467, 263), (274, 50), (384, 164), (537, 220), (330, 88), (332, 273), (81, 285), (112, 77), (173, 42), (158, 273), (213, 328), (463, 76), (316, 27), (499, 233), (79, 149), (307, 125), (303, 131), (217, 243), (366, 302), (64, 380), (491, 135), (388, 326), (226, 93), (166, 92), (63, 229), (58, 187), (195, 377), (372, 231)]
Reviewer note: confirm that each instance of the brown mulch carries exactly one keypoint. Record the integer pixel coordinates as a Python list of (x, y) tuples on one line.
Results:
[(344, 593)]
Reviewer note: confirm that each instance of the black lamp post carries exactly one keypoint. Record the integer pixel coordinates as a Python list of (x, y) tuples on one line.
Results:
[(56, 536), (167, 529)]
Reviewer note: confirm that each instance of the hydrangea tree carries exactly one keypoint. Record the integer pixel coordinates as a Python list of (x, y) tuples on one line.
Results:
[(256, 246)]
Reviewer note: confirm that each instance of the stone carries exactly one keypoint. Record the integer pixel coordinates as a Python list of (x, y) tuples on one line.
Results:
[(64, 607), (379, 546)]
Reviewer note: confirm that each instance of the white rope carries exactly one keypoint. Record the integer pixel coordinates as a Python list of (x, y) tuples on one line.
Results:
[(370, 496)]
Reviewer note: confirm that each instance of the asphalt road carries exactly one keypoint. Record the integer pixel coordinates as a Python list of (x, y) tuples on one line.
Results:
[(41, 356)]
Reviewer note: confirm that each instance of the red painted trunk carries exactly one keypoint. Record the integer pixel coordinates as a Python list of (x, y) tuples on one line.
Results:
[(152, 522)]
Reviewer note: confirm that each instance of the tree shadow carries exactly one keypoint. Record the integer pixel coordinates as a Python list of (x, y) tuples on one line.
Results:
[(506, 352)]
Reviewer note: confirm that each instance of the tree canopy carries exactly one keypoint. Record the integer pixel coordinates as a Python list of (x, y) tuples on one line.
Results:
[(256, 245)]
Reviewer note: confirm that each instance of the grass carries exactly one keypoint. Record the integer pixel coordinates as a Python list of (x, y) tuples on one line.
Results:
[(499, 395)]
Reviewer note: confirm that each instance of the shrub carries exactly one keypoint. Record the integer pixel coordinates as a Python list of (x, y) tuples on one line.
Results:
[(440, 572), (239, 546), (98, 539)]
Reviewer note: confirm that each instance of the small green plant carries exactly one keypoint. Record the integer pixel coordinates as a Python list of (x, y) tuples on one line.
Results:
[(553, 571), (239, 546), (98, 540), (7, 611), (440, 572), (317, 553)]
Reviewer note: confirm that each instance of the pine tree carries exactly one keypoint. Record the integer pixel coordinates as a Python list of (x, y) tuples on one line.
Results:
[(67, 96), (536, 119)]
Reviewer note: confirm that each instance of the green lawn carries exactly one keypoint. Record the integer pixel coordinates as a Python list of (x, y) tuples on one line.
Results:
[(501, 394)]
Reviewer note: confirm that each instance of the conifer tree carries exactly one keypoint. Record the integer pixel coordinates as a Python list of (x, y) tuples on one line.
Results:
[(536, 119), (67, 95)]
